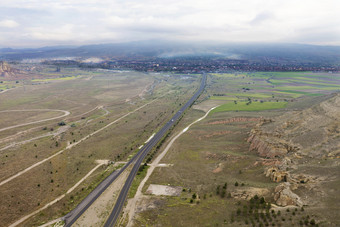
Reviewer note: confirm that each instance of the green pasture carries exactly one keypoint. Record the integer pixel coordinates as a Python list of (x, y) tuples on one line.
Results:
[(59, 78), (253, 106)]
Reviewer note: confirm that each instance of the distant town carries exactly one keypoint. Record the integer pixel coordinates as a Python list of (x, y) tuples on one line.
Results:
[(199, 64)]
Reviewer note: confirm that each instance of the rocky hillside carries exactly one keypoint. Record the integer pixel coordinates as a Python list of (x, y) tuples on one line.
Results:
[(6, 70), (301, 151), (313, 132)]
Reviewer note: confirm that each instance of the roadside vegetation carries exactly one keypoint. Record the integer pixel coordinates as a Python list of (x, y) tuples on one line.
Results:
[(223, 182)]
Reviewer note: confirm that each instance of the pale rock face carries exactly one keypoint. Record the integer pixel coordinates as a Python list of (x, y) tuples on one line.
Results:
[(288, 143), (283, 196), (277, 175), (6, 70)]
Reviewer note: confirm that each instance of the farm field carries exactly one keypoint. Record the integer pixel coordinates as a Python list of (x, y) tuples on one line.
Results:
[(80, 118), (276, 85), (212, 162)]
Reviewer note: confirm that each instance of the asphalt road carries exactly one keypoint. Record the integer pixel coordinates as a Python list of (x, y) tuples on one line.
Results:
[(144, 151), (71, 217)]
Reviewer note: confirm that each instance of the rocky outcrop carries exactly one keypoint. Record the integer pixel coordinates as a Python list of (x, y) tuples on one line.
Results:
[(277, 175), (269, 146), (249, 192), (291, 147), (283, 196), (6, 70)]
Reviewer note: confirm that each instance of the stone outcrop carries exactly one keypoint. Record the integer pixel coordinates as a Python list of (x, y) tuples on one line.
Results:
[(277, 175), (293, 144), (249, 192), (6, 70), (283, 196)]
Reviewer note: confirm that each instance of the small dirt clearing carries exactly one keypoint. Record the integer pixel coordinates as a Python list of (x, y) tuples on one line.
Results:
[(156, 189)]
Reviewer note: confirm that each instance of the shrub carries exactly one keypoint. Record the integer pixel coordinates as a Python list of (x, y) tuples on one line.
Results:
[(238, 212), (262, 200), (62, 123)]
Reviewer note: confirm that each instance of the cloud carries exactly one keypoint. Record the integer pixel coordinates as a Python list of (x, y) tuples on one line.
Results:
[(91, 21), (8, 24), (261, 18)]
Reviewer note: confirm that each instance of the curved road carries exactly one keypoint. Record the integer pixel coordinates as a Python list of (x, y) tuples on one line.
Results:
[(71, 217), (144, 151)]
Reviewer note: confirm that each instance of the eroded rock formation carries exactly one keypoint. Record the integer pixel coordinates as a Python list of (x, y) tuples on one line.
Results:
[(284, 196), (6, 70), (289, 142)]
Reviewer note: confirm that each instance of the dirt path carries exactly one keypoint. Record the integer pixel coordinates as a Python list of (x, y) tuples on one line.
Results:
[(71, 145), (34, 122), (8, 90), (101, 162), (55, 133), (130, 209)]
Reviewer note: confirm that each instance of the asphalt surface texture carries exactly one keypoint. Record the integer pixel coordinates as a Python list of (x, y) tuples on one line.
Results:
[(144, 151), (72, 216)]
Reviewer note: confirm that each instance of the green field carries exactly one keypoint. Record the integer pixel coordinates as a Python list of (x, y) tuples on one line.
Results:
[(273, 86), (59, 78), (254, 106)]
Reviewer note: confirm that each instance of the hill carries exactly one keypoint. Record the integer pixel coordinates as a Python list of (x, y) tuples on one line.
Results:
[(302, 150)]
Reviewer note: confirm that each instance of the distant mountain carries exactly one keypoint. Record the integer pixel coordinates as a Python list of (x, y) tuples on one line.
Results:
[(162, 49)]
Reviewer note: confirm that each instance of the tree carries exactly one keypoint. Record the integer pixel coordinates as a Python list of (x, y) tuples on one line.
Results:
[(194, 196), (218, 190), (223, 193), (238, 212), (262, 200), (312, 222), (236, 183)]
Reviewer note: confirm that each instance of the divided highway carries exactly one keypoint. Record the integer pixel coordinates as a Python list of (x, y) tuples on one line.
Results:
[(71, 217), (144, 151)]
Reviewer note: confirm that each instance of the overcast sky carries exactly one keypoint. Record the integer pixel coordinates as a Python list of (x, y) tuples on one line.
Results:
[(25, 23)]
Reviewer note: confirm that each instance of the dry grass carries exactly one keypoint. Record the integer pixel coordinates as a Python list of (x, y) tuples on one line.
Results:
[(52, 178)]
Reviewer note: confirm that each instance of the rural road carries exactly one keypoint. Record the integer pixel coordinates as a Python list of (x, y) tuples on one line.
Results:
[(34, 122), (144, 151), (131, 206), (71, 217)]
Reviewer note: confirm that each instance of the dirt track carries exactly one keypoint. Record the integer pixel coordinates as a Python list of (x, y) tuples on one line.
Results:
[(100, 163), (66, 113), (132, 203), (69, 146)]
